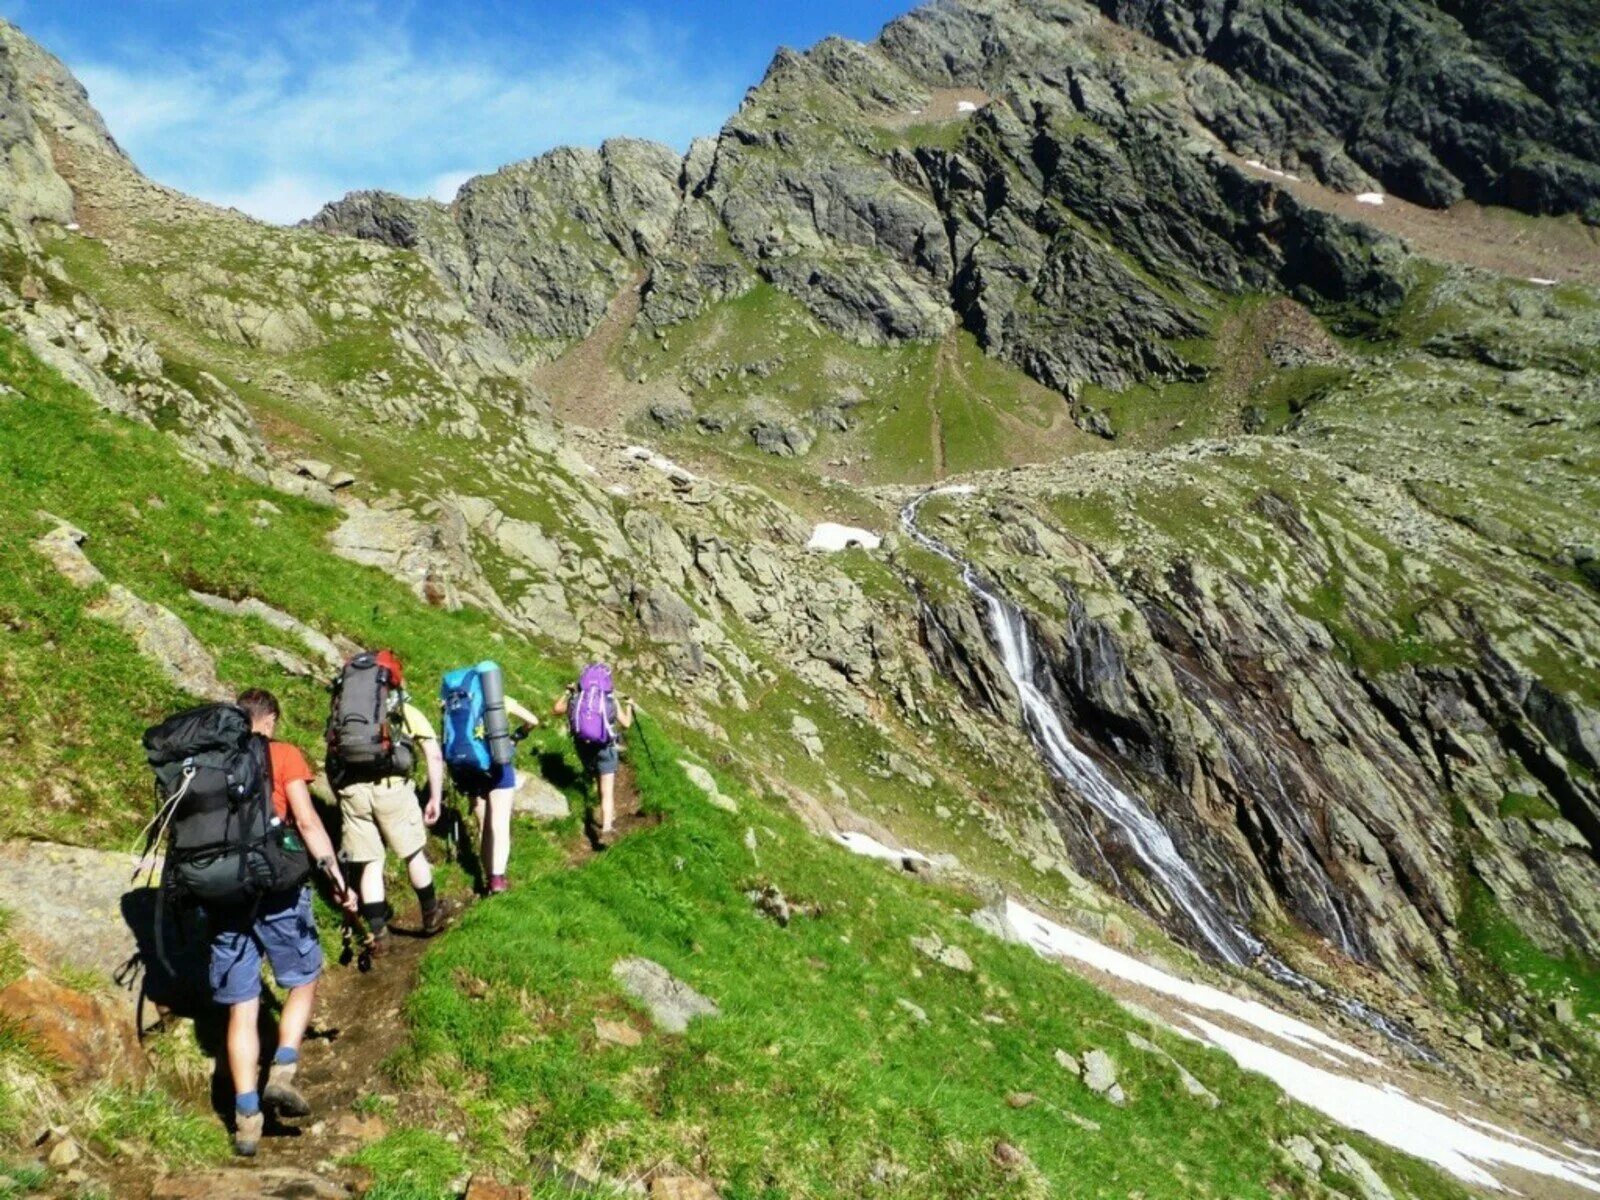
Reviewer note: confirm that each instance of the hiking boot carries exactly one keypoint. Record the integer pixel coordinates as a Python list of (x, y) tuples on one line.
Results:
[(606, 838), (247, 1133), (497, 884), (281, 1095), (437, 919), (379, 942)]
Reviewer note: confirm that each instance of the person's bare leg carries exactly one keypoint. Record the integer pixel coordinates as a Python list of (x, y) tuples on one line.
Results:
[(296, 1015), (481, 816), (419, 870), (608, 802), (244, 1045), (244, 1065), (372, 883), (281, 1094), (497, 832)]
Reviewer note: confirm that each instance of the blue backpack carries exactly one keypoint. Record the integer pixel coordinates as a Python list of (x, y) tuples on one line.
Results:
[(461, 695)]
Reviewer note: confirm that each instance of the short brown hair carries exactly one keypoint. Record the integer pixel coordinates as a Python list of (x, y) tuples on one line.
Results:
[(259, 704)]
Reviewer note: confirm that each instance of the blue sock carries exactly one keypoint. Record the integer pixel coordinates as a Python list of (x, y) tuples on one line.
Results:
[(285, 1054), (247, 1104)]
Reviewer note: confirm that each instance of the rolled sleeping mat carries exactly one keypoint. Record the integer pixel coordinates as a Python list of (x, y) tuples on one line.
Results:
[(496, 725)]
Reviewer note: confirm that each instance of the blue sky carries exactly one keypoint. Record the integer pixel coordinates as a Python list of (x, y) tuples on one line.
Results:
[(277, 107)]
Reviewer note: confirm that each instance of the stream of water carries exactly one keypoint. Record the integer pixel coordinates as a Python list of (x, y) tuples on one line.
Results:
[(1146, 837)]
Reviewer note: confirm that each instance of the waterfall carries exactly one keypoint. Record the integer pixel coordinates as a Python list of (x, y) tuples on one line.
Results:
[(1145, 835)]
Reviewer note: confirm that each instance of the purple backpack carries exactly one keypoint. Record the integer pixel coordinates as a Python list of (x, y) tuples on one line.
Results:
[(589, 712)]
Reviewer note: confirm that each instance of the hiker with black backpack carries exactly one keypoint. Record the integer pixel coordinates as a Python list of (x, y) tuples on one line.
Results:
[(480, 751), (373, 736), (594, 718), (243, 835)]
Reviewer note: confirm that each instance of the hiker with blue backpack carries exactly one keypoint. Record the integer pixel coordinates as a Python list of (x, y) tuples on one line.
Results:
[(480, 749), (594, 718)]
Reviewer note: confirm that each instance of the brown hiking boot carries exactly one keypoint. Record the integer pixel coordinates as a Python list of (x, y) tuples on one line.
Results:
[(247, 1133), (281, 1095), (379, 942), (437, 919)]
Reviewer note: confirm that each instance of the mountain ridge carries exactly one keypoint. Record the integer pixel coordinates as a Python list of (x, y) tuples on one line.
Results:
[(1300, 522)]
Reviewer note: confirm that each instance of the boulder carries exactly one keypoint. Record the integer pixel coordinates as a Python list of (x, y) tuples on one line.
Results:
[(63, 546), (537, 797), (163, 638), (1350, 1163), (804, 730), (703, 780), (934, 947), (672, 1003), (88, 1036), (1100, 1076)]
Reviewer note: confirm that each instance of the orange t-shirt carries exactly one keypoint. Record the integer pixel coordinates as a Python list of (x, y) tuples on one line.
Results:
[(288, 766)]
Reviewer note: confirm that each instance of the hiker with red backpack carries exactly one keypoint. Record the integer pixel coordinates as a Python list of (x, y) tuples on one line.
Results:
[(242, 835), (480, 750), (594, 718), (373, 735)]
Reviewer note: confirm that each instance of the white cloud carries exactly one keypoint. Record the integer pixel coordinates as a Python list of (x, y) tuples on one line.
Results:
[(282, 199), (279, 129), (445, 185)]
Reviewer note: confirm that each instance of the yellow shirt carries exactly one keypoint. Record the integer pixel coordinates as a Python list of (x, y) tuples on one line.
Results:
[(417, 725)]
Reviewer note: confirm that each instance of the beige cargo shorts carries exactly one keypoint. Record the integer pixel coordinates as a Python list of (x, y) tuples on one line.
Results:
[(379, 812)]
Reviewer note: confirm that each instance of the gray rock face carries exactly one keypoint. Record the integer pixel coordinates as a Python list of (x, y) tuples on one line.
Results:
[(1492, 108), (538, 249), (672, 1003)]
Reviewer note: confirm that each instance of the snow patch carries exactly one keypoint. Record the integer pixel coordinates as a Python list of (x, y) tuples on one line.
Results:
[(661, 463), (832, 536), (1370, 198), (871, 847), (1392, 1117), (966, 106), (1461, 1145), (1261, 166), (1541, 281), (1049, 939)]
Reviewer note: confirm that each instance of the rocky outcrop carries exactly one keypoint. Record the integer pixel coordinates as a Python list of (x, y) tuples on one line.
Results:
[(538, 249), (1493, 103)]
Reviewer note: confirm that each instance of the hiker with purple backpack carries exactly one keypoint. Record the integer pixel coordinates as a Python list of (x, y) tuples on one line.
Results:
[(594, 718)]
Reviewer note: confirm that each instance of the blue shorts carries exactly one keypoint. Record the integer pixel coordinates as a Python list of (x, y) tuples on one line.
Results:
[(472, 782), (598, 760), (283, 929)]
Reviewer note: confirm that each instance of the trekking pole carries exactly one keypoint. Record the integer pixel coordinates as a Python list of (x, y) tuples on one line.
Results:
[(644, 741)]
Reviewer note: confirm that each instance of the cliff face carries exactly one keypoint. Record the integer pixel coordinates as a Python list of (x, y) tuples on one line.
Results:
[(1049, 176)]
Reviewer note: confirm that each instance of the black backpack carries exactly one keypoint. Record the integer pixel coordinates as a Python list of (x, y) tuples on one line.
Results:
[(226, 847), (364, 744)]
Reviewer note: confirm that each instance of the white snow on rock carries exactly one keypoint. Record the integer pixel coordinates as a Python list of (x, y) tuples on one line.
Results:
[(832, 536), (1370, 198), (1464, 1146), (1392, 1117), (1261, 166), (966, 106), (651, 459), (1542, 282), (1050, 939), (871, 847), (1384, 1112)]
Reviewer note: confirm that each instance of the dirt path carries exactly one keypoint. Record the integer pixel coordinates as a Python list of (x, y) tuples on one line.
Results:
[(583, 386), (359, 1025), (1561, 249)]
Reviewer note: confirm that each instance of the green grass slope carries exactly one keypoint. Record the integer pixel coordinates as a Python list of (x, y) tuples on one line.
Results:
[(814, 1081)]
